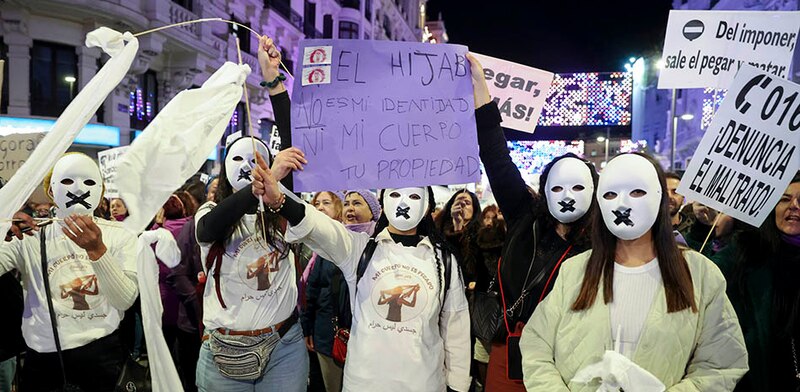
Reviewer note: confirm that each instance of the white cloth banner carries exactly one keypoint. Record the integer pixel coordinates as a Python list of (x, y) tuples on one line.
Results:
[(108, 160), (163, 375), (520, 91), (748, 154), (177, 143), (71, 121), (707, 48)]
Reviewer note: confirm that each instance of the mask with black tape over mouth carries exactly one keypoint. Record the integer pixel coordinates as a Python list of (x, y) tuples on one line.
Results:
[(76, 185), (629, 196), (569, 190), (240, 161)]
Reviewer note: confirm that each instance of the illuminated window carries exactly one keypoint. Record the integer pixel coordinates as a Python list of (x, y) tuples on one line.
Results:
[(143, 105)]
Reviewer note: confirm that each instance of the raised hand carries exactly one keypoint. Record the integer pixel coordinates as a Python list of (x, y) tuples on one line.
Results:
[(82, 230), (287, 160), (457, 212), (479, 88), (269, 58), (265, 186)]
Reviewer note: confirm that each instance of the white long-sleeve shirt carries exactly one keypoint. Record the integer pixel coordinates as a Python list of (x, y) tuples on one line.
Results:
[(398, 341), (89, 297), (635, 289)]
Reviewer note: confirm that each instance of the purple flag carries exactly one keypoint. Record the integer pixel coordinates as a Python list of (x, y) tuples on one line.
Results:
[(383, 114)]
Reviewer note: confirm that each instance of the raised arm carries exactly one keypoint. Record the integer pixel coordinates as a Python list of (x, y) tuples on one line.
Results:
[(329, 238), (508, 187), (214, 221), (269, 59)]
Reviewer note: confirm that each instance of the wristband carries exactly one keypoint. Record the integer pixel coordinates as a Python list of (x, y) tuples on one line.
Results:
[(281, 77)]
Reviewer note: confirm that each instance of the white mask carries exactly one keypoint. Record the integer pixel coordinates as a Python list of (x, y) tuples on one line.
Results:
[(628, 213), (569, 190), (240, 161), (405, 207), (76, 185)]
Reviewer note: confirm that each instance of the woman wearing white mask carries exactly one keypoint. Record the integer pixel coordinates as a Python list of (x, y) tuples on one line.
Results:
[(410, 329), (662, 307), (252, 341), (544, 229), (91, 278)]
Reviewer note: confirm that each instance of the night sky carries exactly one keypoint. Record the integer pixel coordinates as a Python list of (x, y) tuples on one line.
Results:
[(557, 35)]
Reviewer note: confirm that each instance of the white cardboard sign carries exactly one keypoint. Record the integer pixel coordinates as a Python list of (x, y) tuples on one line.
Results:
[(108, 160), (520, 91), (749, 153), (707, 48)]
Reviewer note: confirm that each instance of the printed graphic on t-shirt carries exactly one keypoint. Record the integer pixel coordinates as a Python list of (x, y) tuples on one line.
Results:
[(255, 264), (73, 284), (401, 292)]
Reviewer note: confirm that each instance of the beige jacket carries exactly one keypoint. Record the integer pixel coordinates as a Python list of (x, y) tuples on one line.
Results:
[(687, 351)]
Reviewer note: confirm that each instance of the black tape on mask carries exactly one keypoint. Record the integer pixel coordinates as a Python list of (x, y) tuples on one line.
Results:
[(567, 206), (623, 217), (78, 200)]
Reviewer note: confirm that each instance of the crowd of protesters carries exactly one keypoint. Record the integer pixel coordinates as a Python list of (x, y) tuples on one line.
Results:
[(378, 290)]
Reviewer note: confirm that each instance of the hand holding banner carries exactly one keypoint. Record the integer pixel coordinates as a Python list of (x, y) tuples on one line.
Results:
[(520, 91), (749, 154), (373, 114)]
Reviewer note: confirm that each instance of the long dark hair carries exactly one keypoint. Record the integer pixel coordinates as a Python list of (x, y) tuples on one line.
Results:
[(271, 222), (760, 247), (675, 272), (426, 227), (547, 221), (444, 221)]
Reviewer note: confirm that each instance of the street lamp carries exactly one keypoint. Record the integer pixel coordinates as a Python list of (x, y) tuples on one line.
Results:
[(601, 139), (71, 80), (687, 116)]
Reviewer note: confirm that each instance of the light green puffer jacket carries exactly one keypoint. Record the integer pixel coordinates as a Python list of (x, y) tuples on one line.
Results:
[(687, 351)]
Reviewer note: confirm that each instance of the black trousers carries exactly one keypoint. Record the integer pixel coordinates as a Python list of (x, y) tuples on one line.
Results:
[(93, 367), (185, 349)]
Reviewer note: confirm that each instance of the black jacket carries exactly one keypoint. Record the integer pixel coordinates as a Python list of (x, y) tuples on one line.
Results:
[(519, 210)]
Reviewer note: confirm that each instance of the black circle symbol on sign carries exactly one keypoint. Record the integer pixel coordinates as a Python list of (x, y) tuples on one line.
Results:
[(693, 29)]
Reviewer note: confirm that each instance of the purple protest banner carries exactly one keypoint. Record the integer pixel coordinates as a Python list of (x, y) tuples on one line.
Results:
[(383, 114)]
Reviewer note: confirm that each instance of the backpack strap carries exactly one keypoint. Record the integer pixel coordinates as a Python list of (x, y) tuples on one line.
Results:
[(366, 256)]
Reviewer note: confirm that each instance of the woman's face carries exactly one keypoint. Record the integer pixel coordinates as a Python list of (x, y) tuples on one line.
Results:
[(465, 201), (488, 219), (356, 209), (787, 212), (324, 203), (118, 207)]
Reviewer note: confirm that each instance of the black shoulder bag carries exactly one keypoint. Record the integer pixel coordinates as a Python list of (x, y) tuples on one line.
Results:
[(488, 318)]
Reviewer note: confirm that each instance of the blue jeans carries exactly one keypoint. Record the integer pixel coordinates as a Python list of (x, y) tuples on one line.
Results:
[(287, 370)]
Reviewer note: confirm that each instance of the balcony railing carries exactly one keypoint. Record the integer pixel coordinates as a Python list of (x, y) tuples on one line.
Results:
[(284, 8), (178, 14)]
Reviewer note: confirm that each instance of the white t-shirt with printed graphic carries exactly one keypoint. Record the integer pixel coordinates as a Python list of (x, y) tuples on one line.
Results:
[(84, 313), (398, 341), (259, 288)]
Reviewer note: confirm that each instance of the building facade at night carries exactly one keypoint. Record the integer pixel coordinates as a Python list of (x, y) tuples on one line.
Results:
[(47, 63)]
